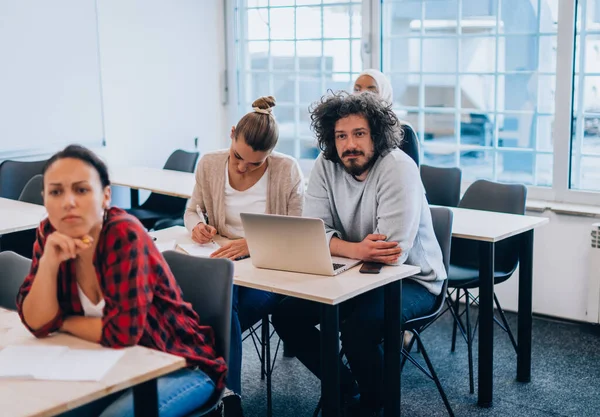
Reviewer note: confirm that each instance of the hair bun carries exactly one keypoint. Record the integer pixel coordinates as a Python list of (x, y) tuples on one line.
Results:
[(264, 103)]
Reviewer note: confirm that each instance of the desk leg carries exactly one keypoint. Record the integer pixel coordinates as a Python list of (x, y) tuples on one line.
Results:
[(330, 350), (135, 197), (525, 307), (392, 347), (486, 325), (145, 399)]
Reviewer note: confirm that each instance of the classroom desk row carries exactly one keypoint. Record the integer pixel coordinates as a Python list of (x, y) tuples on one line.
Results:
[(488, 228)]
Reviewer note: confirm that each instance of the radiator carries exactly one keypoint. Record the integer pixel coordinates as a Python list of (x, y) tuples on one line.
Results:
[(593, 312)]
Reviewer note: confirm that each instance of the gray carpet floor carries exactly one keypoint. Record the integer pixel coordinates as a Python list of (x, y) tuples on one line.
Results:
[(565, 376)]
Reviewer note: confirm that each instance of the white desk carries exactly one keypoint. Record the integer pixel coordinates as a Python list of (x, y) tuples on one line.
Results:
[(162, 181), (138, 368), (488, 228), (17, 215), (330, 292)]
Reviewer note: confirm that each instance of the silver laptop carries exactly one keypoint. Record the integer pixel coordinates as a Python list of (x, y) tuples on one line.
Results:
[(288, 243)]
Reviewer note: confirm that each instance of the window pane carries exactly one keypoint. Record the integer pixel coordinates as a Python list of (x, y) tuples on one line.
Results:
[(308, 23), (282, 55), (517, 92), (337, 82), (439, 54), (477, 165), (309, 89), (286, 119), (340, 15), (477, 129), (544, 170), (477, 92), (282, 23), (337, 56), (518, 16), (309, 55), (406, 89), (478, 54), (284, 88), (258, 55), (516, 167), (258, 24), (439, 90), (516, 131)]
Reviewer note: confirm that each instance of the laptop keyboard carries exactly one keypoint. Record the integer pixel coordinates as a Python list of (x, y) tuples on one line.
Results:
[(338, 266)]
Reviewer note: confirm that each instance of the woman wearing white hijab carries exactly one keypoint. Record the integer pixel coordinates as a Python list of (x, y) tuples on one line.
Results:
[(376, 82)]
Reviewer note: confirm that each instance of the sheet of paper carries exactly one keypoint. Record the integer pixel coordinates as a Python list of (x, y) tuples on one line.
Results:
[(195, 249), (165, 245), (80, 365), (58, 363), (24, 361)]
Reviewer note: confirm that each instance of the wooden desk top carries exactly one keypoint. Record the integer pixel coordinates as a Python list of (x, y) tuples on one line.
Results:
[(490, 226), (162, 181), (20, 398), (323, 289), (17, 215)]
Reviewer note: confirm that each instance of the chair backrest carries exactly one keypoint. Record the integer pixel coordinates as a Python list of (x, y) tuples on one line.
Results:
[(15, 174), (178, 161), (442, 185), (207, 284), (442, 226), (410, 144), (32, 192), (491, 196), (13, 270)]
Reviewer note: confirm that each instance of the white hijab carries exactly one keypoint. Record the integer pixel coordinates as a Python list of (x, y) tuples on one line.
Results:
[(383, 84)]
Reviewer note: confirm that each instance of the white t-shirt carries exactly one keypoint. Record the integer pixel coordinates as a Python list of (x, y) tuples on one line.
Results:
[(90, 309), (252, 200)]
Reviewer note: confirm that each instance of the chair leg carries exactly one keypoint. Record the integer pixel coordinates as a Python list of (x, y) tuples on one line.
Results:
[(469, 342), (269, 367), (503, 317), (407, 350), (264, 334), (455, 323), (434, 375)]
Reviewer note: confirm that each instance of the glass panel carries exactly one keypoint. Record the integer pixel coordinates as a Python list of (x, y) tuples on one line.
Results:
[(547, 54), (592, 53), (308, 23), (281, 2), (309, 149), (336, 82), (518, 53), (477, 129), (439, 90), (309, 55), (516, 131), (309, 89), (592, 21), (591, 97), (356, 21), (286, 146), (339, 22), (357, 65), (544, 165), (439, 54), (282, 55), (409, 60), (257, 86), (258, 55), (478, 54), (304, 123), (282, 23), (590, 173), (284, 88), (516, 167), (439, 129), (406, 89), (337, 56), (545, 133), (477, 165), (305, 2), (258, 24), (518, 16), (439, 156), (590, 144), (517, 92), (286, 120), (546, 93), (477, 92)]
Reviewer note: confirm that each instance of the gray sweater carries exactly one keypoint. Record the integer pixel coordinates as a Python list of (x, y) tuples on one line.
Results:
[(391, 201)]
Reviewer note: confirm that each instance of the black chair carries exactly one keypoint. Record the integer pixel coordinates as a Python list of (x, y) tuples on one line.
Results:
[(15, 174), (442, 185), (442, 225), (464, 261), (160, 206), (22, 242), (410, 144), (207, 284), (13, 270)]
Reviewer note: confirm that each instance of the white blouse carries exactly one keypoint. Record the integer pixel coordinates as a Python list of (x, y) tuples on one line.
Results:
[(90, 309), (252, 200)]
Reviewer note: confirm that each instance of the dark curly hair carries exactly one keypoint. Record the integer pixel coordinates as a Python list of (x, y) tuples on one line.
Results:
[(386, 130)]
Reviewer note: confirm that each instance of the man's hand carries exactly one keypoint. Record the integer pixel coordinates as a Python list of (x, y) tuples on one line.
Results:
[(374, 248), (233, 250)]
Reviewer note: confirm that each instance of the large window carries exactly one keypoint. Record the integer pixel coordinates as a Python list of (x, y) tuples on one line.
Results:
[(507, 90), (296, 50), (476, 79), (585, 146)]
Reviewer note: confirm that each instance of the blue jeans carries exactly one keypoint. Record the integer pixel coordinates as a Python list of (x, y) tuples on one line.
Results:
[(179, 394), (361, 331), (249, 306)]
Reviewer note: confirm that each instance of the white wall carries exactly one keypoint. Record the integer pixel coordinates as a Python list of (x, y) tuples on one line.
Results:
[(161, 65), (561, 269)]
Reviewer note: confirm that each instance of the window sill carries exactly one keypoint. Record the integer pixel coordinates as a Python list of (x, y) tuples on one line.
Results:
[(563, 208)]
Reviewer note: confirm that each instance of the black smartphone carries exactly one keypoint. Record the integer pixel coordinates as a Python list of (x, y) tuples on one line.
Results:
[(370, 268)]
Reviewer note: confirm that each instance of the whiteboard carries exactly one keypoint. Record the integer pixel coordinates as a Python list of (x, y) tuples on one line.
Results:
[(50, 83)]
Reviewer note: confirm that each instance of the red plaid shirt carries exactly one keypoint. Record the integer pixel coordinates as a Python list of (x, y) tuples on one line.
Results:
[(144, 305)]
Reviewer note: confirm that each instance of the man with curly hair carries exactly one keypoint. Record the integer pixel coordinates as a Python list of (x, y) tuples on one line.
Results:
[(371, 199)]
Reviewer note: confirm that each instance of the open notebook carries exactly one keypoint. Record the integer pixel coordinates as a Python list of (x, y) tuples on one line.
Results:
[(196, 249), (58, 363)]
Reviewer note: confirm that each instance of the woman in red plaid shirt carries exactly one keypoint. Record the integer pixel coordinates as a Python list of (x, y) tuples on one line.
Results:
[(97, 275)]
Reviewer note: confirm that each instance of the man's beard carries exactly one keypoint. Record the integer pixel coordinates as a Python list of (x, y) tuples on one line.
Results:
[(355, 169)]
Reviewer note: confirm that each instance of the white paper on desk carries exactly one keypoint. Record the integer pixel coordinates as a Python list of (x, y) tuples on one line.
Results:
[(195, 249), (57, 363), (165, 245)]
